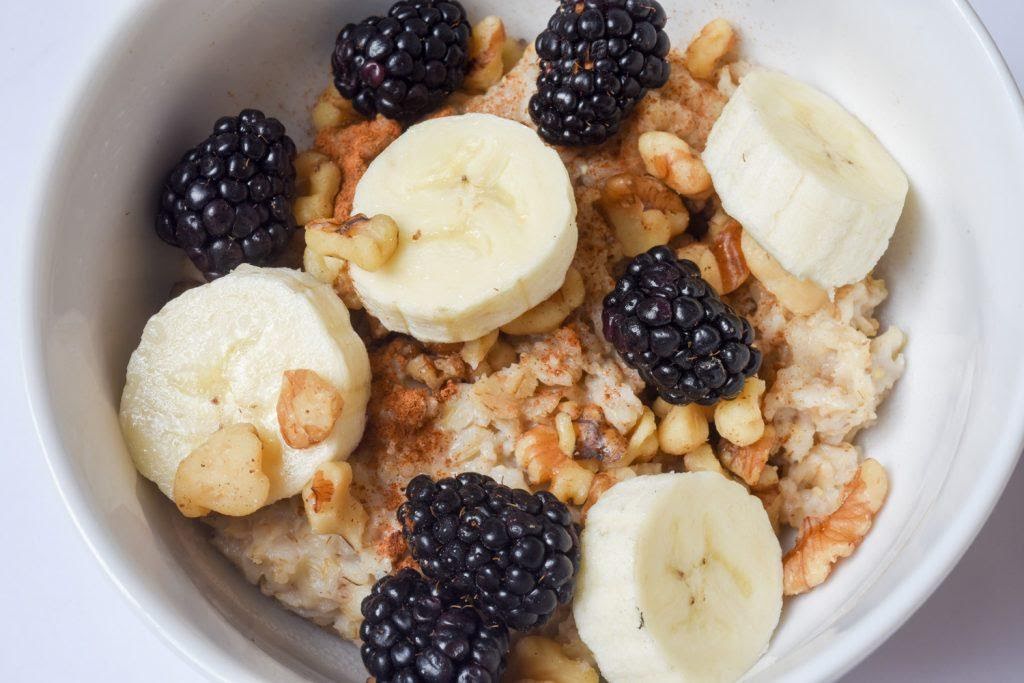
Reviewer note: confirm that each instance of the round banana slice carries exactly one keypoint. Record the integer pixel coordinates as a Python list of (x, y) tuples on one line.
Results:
[(487, 227), (806, 179), (216, 355), (680, 579)]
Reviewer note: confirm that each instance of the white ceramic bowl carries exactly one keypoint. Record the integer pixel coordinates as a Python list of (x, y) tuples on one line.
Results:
[(923, 74)]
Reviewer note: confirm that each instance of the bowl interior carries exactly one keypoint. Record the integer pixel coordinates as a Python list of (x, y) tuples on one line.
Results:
[(914, 72)]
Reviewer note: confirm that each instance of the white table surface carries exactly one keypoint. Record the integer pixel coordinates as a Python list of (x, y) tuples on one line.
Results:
[(61, 619)]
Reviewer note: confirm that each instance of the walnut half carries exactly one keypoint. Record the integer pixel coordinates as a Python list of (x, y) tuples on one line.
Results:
[(824, 541)]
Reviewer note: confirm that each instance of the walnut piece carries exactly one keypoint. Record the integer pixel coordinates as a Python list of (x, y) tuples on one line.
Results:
[(474, 352), (366, 242), (329, 505), (643, 440), (709, 48), (668, 158), (642, 212), (550, 313), (740, 420), (307, 408), (824, 541), (485, 53), (683, 429), (318, 180), (223, 475), (702, 459), (599, 441), (536, 658), (748, 462), (771, 499), (333, 111), (539, 453), (801, 297), (725, 245), (704, 258)]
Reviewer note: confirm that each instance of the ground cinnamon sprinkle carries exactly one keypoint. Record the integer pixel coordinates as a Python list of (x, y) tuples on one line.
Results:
[(448, 391), (392, 546), (353, 148)]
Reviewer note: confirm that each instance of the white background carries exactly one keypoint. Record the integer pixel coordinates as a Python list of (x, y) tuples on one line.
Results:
[(61, 619)]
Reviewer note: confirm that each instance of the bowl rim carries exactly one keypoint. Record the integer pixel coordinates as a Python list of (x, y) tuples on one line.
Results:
[(828, 663)]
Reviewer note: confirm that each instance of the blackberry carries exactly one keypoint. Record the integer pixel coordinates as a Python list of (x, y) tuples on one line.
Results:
[(229, 199), (598, 58), (410, 635), (403, 65), (512, 552), (667, 322)]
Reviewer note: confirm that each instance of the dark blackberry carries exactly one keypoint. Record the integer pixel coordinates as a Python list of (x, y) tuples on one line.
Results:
[(667, 322), (513, 552), (229, 199), (410, 635), (405, 64), (598, 58)]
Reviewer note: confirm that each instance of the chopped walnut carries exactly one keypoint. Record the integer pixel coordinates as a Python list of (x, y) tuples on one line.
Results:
[(725, 245), (474, 352), (668, 158), (771, 499), (705, 259), (317, 182), (643, 440), (329, 505), (485, 53), (421, 369), (643, 212), (801, 297), (702, 459), (539, 453), (307, 408), (824, 541), (709, 48), (604, 481), (748, 462), (333, 111), (536, 658), (597, 440), (366, 242), (223, 475), (332, 271), (550, 313)]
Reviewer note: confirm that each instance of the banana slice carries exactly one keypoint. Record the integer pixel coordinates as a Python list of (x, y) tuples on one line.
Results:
[(680, 580), (216, 356), (487, 222), (806, 178)]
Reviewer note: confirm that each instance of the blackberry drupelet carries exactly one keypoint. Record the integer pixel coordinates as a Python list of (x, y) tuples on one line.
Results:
[(513, 552), (229, 200), (667, 322), (409, 635), (598, 58), (405, 64)]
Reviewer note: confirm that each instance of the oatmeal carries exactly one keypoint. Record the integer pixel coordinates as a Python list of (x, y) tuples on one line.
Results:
[(827, 373)]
